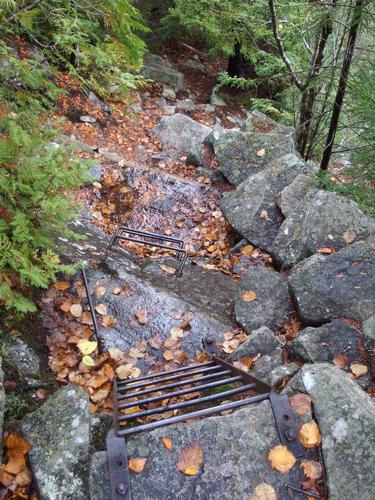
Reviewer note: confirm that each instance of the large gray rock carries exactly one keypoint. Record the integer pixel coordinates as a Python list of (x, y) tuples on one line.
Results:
[(369, 340), (158, 69), (252, 208), (259, 122), (183, 135), (235, 449), (2, 407), (99, 486), (341, 284), (203, 296), (323, 220), (322, 344), (261, 341), (59, 433), (271, 306), (292, 195), (20, 357), (243, 154), (346, 418)]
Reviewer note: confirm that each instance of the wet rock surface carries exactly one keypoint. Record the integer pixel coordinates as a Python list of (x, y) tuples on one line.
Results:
[(202, 296), (322, 344), (346, 417), (338, 285), (183, 135), (244, 154), (325, 220), (59, 433), (20, 357), (369, 340), (252, 208), (270, 307)]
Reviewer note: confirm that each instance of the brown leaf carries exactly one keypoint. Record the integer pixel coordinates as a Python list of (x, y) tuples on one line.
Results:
[(116, 291), (15, 464), (309, 434), (263, 491), (168, 355), (100, 292), (141, 316), (62, 285), (65, 306), (109, 321), (300, 403), (155, 342), (230, 345), (261, 153), (190, 459), (100, 395), (76, 310), (247, 250), (358, 369), (340, 360), (167, 443), (137, 464), (281, 458), (249, 296), (124, 371), (16, 445), (177, 333), (86, 318), (97, 381), (311, 468), (116, 354), (24, 478), (349, 236), (167, 269), (325, 250)]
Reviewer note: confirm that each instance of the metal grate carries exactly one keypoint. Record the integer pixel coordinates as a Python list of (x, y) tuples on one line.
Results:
[(154, 240), (214, 382)]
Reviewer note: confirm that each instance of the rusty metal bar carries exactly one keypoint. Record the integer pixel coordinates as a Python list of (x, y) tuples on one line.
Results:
[(168, 395), (184, 404)]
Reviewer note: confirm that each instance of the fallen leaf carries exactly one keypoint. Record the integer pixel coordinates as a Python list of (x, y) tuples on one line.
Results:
[(249, 296), (358, 369), (135, 372), (247, 361), (264, 491), (190, 459), (261, 152), (40, 394), (87, 347), (97, 381), (167, 443), (230, 345), (137, 464), (141, 316), (325, 250), (168, 355), (311, 468), (116, 354), (124, 371), (116, 291), (15, 464), (100, 292), (167, 269), (100, 395), (76, 310), (65, 306), (62, 285), (101, 309), (281, 459), (88, 361), (86, 318), (109, 321), (155, 342), (349, 236), (177, 333), (247, 250), (340, 360), (264, 215), (23, 478), (300, 403), (309, 434)]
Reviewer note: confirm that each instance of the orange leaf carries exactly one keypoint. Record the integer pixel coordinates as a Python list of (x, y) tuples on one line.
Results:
[(62, 285), (249, 296), (311, 468), (24, 478), (109, 321), (168, 355), (340, 360), (309, 434), (167, 443), (300, 403), (190, 459), (137, 464), (16, 464), (16, 445), (281, 458)]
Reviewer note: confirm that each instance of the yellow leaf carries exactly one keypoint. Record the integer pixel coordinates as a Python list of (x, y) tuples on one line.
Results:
[(88, 361), (358, 369), (249, 296), (190, 459), (264, 491), (76, 310), (101, 309), (137, 464), (167, 443), (87, 347), (281, 458), (309, 434)]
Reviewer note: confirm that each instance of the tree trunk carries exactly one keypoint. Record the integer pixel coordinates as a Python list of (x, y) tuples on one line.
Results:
[(345, 71)]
